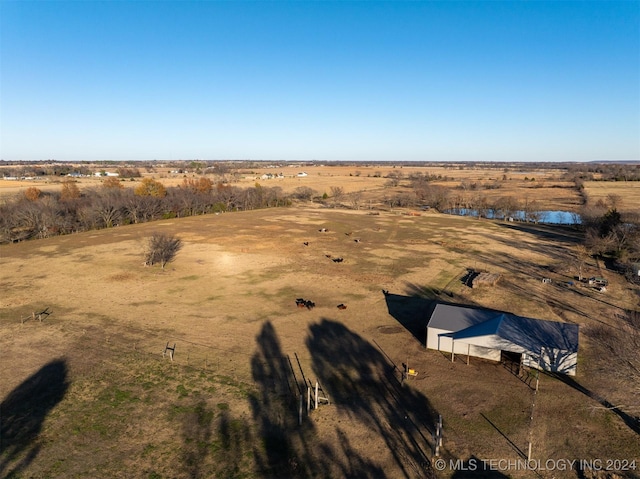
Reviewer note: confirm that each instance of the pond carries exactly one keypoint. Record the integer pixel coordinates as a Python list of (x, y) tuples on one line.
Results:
[(554, 217)]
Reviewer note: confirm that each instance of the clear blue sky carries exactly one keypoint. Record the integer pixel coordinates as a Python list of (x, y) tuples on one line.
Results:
[(432, 81)]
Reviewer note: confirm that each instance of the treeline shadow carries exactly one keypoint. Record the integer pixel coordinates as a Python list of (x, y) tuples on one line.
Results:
[(570, 234), (632, 422), (361, 383), (23, 412), (413, 311), (367, 388), (218, 443)]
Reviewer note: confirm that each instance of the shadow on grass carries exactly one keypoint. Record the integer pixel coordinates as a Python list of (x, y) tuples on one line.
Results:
[(569, 234), (632, 422), (413, 311), (361, 384), (196, 437), (511, 443), (366, 387), (23, 412), (476, 468)]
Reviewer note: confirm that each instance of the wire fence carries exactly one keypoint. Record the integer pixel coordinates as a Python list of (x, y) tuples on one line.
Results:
[(289, 376)]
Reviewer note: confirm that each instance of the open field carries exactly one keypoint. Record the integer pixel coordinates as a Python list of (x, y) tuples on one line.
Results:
[(628, 193), (544, 186), (88, 393)]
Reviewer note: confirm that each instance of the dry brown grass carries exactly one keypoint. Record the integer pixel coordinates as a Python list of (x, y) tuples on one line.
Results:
[(371, 181), (228, 303), (628, 193), (543, 186)]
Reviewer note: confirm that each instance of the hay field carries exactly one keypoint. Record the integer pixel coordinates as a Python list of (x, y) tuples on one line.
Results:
[(628, 193), (543, 186), (87, 392)]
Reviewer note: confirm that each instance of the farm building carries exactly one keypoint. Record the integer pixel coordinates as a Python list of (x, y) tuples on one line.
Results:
[(494, 335)]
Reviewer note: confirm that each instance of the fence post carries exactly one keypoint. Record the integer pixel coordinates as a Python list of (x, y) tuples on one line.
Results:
[(438, 437), (300, 412), (171, 350)]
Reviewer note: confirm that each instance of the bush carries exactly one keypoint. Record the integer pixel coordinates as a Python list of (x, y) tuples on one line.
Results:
[(162, 248)]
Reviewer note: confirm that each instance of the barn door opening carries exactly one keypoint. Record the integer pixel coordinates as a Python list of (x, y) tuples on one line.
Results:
[(511, 361)]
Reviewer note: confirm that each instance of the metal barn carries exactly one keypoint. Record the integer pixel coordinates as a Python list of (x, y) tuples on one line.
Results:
[(473, 332)]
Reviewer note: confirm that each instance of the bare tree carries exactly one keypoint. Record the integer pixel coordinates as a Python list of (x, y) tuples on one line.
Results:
[(355, 199), (337, 192), (622, 344), (581, 257), (394, 178), (162, 248), (107, 208), (532, 211), (69, 190), (615, 201), (303, 193)]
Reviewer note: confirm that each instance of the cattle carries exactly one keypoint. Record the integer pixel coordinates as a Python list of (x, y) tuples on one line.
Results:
[(323, 230), (305, 303), (337, 260), (342, 306), (357, 240), (306, 243), (348, 234)]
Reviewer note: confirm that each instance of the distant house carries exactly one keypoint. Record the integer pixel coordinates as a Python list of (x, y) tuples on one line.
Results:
[(302, 174), (494, 335)]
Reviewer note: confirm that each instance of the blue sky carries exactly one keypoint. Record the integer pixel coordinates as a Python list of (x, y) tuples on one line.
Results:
[(325, 80)]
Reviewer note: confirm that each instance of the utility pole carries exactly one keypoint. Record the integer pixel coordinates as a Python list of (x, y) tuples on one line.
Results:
[(533, 404)]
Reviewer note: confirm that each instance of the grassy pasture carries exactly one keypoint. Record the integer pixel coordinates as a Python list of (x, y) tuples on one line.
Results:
[(87, 392)]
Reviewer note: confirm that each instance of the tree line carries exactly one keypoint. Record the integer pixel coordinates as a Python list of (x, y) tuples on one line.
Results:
[(38, 214)]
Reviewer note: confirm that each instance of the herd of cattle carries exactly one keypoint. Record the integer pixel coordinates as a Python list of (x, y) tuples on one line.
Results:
[(335, 260), (307, 303)]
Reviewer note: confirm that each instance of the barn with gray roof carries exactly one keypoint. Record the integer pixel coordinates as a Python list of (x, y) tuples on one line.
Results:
[(474, 332)]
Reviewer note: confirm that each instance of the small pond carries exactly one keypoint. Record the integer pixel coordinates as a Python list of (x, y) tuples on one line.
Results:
[(555, 217)]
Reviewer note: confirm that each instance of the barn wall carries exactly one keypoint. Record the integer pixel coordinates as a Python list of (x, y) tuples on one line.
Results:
[(554, 360), (440, 343), (485, 353)]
